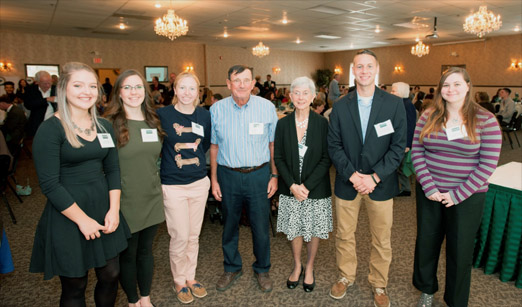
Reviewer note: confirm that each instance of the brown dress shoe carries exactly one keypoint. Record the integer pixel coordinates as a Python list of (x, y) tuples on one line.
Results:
[(264, 281), (227, 279)]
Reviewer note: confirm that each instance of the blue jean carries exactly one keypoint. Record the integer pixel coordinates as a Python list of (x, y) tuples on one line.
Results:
[(251, 189)]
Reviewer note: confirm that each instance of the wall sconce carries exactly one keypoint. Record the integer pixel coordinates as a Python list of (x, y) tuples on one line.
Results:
[(6, 66), (189, 68), (398, 69), (276, 69), (516, 65), (338, 70)]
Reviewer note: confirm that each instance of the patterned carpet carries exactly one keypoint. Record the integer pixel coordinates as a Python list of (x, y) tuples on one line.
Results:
[(21, 288)]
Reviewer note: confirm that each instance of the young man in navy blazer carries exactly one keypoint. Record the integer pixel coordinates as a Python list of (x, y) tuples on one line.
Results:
[(366, 142)]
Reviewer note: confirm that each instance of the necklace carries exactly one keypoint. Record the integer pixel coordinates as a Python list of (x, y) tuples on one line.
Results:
[(87, 131), (301, 124)]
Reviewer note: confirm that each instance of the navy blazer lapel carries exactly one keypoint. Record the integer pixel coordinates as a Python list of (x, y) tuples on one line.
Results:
[(353, 109), (376, 107)]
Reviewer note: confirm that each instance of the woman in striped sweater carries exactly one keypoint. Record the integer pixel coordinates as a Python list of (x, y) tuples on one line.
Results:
[(455, 150)]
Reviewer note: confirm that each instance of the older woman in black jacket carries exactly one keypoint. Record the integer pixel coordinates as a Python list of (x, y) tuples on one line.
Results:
[(301, 157)]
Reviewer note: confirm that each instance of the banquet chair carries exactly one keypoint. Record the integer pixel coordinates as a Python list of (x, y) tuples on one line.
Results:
[(5, 161), (514, 125)]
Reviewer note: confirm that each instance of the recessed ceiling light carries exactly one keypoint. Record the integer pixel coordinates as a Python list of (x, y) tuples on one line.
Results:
[(157, 5), (516, 29), (225, 33), (122, 26), (377, 29), (298, 41), (285, 20), (327, 36)]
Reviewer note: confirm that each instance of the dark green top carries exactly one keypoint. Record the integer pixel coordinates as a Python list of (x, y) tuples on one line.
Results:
[(141, 195), (70, 175)]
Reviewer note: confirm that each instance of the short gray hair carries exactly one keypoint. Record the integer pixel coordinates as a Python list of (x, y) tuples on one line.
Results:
[(303, 81), (403, 89), (40, 74)]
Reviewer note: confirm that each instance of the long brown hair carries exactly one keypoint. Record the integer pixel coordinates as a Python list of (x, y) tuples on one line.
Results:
[(116, 112), (438, 114)]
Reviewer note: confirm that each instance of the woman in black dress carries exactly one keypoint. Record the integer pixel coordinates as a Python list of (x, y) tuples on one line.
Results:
[(78, 171)]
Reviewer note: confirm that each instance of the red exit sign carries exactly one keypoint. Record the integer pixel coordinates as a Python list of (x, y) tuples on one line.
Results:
[(97, 60)]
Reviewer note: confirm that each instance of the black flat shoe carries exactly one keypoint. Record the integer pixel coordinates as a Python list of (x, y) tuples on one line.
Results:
[(309, 287), (293, 284)]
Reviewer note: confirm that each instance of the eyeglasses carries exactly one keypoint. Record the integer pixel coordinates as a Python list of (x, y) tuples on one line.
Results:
[(239, 81), (138, 87)]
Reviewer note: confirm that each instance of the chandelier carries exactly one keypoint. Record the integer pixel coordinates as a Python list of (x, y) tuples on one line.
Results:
[(171, 25), (482, 22), (420, 49), (260, 50)]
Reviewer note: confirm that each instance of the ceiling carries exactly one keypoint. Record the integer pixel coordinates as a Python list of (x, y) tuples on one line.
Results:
[(351, 24)]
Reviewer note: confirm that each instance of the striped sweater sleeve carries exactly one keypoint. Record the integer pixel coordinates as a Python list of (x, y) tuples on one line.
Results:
[(419, 160), (490, 144)]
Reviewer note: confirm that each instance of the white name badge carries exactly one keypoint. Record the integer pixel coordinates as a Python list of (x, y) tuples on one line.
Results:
[(149, 135), (384, 128), (302, 149), (198, 129), (255, 128), (105, 140), (457, 132)]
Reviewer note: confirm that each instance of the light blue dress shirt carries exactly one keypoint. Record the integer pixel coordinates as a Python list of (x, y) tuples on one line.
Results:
[(365, 107), (231, 131)]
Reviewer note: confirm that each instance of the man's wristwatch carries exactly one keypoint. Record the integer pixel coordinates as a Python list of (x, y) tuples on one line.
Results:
[(274, 176)]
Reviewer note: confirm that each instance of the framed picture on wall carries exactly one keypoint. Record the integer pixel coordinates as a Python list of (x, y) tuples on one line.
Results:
[(444, 67), (161, 72), (32, 69)]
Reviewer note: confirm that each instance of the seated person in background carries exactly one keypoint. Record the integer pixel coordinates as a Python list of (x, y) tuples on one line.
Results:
[(507, 107), (9, 92), (213, 99), (496, 97), (279, 94), (271, 96), (259, 86), (286, 97), (417, 100), (426, 103), (255, 91), (14, 125), (482, 98), (430, 95), (318, 105), (156, 88)]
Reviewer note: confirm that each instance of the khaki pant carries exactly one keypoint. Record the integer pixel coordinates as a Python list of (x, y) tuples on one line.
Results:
[(184, 212), (380, 214)]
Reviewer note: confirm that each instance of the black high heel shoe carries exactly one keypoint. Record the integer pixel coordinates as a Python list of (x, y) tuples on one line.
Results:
[(293, 284), (309, 287)]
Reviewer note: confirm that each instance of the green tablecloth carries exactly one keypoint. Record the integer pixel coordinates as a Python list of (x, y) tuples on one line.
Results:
[(498, 246)]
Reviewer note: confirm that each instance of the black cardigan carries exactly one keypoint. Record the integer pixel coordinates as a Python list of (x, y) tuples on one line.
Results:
[(316, 165)]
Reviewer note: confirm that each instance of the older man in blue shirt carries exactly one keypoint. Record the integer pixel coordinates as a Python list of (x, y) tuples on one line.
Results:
[(243, 171)]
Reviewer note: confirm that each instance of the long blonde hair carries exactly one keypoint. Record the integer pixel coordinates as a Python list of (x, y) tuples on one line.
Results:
[(438, 114), (63, 107)]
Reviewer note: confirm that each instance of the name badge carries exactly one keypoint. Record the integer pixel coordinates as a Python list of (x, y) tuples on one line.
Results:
[(384, 128), (149, 135), (198, 129), (105, 140), (255, 128), (302, 149), (161, 90), (457, 132)]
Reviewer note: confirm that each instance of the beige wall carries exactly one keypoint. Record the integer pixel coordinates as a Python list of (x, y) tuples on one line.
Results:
[(487, 62), (210, 63)]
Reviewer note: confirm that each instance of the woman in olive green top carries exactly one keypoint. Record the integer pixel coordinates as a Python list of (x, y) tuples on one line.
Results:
[(139, 135)]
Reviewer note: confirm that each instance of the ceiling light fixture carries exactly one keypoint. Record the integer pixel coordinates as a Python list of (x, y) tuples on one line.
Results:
[(420, 49), (482, 22), (260, 50), (298, 41), (157, 5), (225, 33), (122, 26), (285, 19), (171, 25), (516, 29), (377, 29)]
